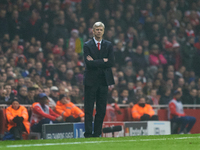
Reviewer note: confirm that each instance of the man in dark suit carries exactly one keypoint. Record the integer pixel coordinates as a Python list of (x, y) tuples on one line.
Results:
[(99, 58)]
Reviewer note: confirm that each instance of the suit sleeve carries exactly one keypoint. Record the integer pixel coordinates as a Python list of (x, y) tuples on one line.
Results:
[(99, 63)]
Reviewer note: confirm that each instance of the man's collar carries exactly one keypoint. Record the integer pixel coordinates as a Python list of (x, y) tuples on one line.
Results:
[(96, 41)]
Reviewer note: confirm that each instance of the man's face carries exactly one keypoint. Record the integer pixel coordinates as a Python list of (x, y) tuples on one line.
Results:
[(64, 100), (23, 91), (38, 66), (178, 96), (49, 83), (62, 68), (47, 91), (21, 82), (125, 93), (98, 32), (15, 105), (139, 50), (4, 77), (31, 93), (8, 89), (62, 90), (1, 62), (142, 101), (193, 93), (54, 93)]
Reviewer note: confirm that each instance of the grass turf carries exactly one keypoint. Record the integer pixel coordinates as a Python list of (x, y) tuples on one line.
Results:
[(161, 142)]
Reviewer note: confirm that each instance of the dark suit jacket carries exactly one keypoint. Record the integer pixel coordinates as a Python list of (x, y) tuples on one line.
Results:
[(93, 67)]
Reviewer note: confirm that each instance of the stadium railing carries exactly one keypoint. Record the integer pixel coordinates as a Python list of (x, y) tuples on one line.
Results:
[(194, 106)]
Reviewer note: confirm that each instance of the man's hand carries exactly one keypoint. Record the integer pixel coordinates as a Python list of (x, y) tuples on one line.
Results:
[(105, 59), (124, 102), (89, 58), (82, 119), (131, 104), (60, 118)]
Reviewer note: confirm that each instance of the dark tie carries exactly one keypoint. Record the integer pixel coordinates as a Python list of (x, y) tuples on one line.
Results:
[(98, 44)]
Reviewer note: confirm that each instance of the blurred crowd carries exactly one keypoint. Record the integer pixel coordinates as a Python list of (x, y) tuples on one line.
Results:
[(156, 46)]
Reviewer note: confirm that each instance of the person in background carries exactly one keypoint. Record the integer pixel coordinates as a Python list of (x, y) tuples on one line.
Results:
[(51, 103), (165, 99), (54, 93), (22, 95), (124, 97), (142, 111), (191, 98), (9, 95), (68, 110), (177, 115), (43, 114), (17, 116)]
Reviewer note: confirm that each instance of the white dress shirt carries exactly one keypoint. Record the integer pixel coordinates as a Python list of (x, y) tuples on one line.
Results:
[(97, 42)]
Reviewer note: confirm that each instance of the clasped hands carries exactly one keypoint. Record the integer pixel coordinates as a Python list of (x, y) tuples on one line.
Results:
[(18, 119), (89, 58)]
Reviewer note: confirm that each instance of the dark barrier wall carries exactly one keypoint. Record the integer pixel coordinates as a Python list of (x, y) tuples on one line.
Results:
[(126, 116)]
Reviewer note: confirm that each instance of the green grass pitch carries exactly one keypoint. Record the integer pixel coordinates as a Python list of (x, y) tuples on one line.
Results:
[(159, 142)]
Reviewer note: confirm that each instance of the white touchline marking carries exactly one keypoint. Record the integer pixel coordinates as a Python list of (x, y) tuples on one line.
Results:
[(91, 142)]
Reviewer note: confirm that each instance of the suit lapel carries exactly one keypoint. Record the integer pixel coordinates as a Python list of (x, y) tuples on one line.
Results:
[(102, 48), (94, 48)]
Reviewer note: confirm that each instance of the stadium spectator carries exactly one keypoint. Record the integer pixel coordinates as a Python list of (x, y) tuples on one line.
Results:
[(191, 98), (113, 98), (188, 52), (22, 95), (177, 115), (165, 99), (54, 93), (76, 96), (17, 116), (124, 97), (9, 94), (68, 110), (138, 59), (142, 111), (51, 102), (156, 58), (43, 114), (31, 95)]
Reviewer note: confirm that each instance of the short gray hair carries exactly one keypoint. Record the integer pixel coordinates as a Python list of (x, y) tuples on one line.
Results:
[(98, 24)]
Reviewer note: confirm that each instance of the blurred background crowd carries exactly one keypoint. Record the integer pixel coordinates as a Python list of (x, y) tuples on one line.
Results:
[(156, 46)]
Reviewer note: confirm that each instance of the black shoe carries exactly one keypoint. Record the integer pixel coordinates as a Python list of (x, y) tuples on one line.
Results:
[(17, 137), (86, 135), (95, 135)]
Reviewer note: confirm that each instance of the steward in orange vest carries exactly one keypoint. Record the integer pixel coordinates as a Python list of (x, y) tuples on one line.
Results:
[(17, 117), (142, 111), (69, 111)]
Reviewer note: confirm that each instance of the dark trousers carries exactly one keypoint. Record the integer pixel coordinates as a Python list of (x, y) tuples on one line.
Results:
[(17, 130), (92, 94), (37, 127), (184, 121)]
